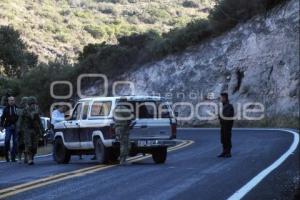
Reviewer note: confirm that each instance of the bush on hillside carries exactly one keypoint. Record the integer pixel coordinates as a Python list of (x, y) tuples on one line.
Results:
[(14, 55), (190, 4)]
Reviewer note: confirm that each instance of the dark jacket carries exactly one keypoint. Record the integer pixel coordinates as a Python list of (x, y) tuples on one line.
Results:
[(228, 111), (9, 116)]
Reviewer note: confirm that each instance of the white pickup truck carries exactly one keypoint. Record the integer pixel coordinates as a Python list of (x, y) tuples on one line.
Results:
[(90, 129)]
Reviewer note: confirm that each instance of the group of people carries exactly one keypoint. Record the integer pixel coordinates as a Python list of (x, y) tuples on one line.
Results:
[(23, 125)]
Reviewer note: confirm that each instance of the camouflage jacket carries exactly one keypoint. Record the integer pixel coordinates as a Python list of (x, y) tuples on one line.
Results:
[(123, 117), (32, 120), (20, 126)]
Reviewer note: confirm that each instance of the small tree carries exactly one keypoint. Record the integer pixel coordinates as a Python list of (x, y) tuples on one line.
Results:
[(14, 56)]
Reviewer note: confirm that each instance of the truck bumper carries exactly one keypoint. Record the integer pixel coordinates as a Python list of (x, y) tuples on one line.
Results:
[(148, 143)]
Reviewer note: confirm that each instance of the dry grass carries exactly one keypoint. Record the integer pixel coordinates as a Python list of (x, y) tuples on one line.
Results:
[(54, 28)]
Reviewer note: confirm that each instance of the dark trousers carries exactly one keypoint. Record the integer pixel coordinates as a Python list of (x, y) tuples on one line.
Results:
[(226, 138), (10, 132)]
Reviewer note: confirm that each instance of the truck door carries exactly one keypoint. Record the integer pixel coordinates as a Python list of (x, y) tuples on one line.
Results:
[(71, 133), (85, 129)]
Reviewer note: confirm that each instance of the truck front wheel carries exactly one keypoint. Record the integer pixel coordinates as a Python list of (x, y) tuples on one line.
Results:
[(159, 155), (101, 152)]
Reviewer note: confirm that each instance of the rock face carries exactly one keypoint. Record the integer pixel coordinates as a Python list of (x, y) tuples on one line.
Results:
[(257, 61)]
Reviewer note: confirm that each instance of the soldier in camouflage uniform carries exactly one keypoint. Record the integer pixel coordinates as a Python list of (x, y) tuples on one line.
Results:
[(32, 129), (123, 123), (20, 129)]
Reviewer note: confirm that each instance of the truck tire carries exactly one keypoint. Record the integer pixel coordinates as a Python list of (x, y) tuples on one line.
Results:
[(101, 152), (159, 155), (60, 153)]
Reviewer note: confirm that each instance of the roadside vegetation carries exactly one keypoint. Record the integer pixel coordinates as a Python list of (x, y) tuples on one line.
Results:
[(63, 27)]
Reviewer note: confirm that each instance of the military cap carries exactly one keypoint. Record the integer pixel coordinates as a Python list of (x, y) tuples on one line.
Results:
[(32, 100), (24, 101)]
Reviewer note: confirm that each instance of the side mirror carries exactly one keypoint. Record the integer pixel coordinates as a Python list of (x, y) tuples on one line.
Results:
[(67, 117)]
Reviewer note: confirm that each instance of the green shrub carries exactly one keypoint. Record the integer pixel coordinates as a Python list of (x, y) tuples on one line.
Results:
[(107, 10), (97, 32), (190, 4), (62, 37), (14, 56), (113, 1), (83, 14), (37, 82), (90, 49), (65, 12), (7, 84)]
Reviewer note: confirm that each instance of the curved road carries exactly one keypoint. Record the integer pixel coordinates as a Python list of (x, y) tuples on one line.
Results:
[(191, 172)]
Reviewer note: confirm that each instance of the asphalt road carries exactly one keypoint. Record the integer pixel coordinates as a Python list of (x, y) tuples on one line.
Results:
[(192, 172)]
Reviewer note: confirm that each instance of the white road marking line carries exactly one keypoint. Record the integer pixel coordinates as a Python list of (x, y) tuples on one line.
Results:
[(67, 175), (259, 177)]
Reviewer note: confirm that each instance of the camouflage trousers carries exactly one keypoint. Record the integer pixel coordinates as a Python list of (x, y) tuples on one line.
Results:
[(21, 144), (31, 141), (123, 137)]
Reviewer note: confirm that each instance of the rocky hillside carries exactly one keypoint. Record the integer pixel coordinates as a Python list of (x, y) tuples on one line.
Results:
[(257, 61), (62, 27)]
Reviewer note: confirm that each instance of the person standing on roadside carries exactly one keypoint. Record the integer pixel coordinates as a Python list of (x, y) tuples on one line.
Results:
[(8, 121), (226, 121), (33, 128), (123, 117)]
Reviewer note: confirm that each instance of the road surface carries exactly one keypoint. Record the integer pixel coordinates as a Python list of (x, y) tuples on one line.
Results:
[(192, 171)]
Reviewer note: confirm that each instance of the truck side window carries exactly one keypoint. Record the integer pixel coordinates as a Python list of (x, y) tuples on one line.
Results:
[(101, 108)]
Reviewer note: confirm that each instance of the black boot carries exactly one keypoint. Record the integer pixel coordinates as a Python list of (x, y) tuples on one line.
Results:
[(25, 158), (221, 155), (227, 153), (30, 158)]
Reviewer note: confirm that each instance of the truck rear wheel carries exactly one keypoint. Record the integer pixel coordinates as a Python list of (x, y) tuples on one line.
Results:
[(159, 155), (60, 153), (101, 152)]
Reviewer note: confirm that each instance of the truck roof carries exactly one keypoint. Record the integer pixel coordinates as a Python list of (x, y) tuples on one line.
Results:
[(129, 98)]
